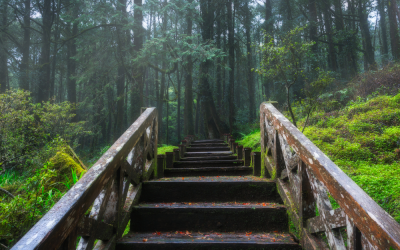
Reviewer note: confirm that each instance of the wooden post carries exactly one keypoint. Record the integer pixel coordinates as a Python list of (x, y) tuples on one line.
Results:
[(239, 150), (182, 150), (169, 161), (160, 166), (256, 161), (231, 141), (176, 155), (246, 154), (234, 146)]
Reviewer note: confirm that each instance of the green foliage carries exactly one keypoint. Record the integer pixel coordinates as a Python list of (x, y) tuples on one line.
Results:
[(35, 193), (252, 141), (30, 132), (34, 198), (363, 139), (283, 61)]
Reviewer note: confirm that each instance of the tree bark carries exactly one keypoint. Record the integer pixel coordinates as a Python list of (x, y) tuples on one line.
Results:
[(328, 27), (340, 28), (121, 69), (138, 84), (71, 65), (3, 48), (44, 61), (394, 31), (382, 23), (369, 50), (188, 111), (214, 124), (54, 60), (250, 76), (231, 47), (24, 66), (219, 93), (268, 29)]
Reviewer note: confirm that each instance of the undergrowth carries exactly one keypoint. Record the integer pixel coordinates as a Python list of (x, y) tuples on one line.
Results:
[(363, 139)]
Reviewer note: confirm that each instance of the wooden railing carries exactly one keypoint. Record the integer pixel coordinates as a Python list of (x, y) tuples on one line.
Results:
[(304, 176), (98, 206)]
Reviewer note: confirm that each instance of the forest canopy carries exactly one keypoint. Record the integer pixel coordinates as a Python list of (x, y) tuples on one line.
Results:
[(192, 59)]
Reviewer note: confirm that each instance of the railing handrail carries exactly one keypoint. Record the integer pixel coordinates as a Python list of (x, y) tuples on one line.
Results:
[(56, 225), (379, 227)]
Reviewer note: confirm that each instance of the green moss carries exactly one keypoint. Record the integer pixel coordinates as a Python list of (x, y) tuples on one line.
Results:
[(165, 148), (363, 139), (63, 163)]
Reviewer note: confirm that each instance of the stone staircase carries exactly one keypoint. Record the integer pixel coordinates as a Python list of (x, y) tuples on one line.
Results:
[(209, 200)]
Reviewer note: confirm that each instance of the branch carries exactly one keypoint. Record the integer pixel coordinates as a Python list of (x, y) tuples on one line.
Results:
[(88, 29), (322, 41), (7, 193), (3, 246)]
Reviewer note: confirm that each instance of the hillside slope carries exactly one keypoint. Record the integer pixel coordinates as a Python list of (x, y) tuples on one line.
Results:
[(363, 139)]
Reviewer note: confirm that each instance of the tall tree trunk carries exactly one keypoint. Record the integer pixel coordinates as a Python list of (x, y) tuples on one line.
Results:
[(3, 47), (54, 60), (250, 76), (188, 111), (312, 12), (161, 99), (44, 61), (394, 30), (219, 93), (369, 50), (178, 115), (328, 27), (121, 37), (231, 47), (382, 23), (214, 124), (138, 84), (71, 65), (24, 66), (340, 28), (269, 22)]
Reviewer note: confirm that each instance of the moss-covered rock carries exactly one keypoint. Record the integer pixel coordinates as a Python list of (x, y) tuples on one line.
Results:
[(65, 165)]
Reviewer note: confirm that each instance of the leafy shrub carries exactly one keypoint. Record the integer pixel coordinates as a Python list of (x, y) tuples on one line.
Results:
[(28, 131)]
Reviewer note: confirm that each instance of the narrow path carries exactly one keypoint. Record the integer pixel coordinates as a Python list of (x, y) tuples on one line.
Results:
[(209, 200)]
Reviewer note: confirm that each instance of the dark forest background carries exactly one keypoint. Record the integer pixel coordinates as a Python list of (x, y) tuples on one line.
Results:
[(192, 59)]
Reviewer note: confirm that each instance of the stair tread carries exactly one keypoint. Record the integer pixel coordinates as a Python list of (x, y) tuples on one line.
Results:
[(245, 178), (208, 161), (225, 168), (212, 205), (210, 152), (208, 237), (206, 158), (208, 141)]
